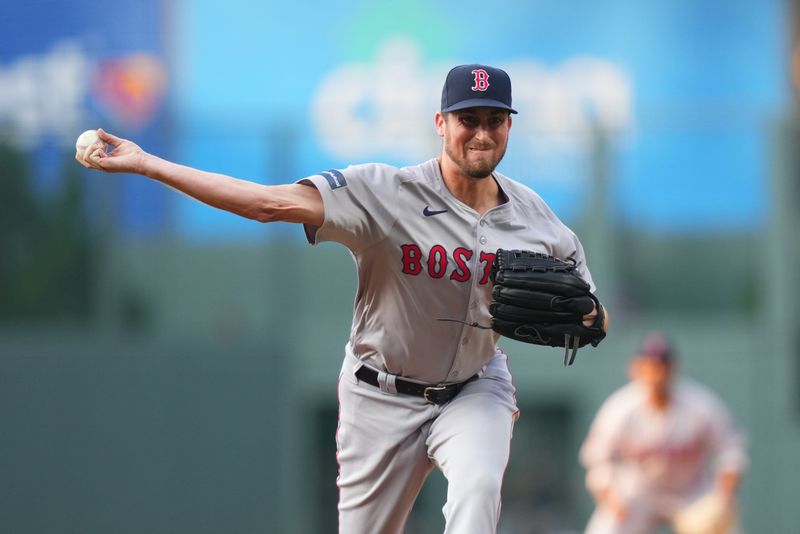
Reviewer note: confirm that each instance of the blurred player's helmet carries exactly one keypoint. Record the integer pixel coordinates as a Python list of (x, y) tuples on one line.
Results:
[(656, 346)]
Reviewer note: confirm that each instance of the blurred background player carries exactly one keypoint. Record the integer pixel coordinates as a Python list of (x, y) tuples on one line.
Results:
[(658, 445)]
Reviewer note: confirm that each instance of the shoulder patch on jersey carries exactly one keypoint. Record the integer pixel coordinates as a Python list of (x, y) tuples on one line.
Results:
[(335, 178)]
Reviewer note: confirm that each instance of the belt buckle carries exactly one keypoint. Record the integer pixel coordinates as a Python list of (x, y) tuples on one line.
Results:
[(432, 389)]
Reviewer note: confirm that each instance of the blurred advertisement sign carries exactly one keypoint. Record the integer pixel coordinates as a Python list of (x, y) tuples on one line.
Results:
[(66, 67), (683, 92), (361, 109), (131, 88), (50, 94)]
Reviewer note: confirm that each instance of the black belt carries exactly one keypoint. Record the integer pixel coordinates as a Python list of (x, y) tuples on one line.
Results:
[(436, 394)]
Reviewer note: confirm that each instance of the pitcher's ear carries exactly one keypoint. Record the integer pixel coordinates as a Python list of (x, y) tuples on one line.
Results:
[(439, 120)]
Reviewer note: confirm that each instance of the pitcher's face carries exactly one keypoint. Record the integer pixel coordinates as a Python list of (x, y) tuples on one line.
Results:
[(475, 139)]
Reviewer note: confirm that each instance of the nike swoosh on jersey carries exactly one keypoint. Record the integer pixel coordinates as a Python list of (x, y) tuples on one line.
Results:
[(427, 212)]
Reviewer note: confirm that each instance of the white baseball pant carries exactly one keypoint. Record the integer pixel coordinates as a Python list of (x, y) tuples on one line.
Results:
[(388, 443)]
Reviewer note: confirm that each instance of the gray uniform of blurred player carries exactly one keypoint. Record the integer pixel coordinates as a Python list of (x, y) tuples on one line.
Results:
[(657, 445), (418, 388)]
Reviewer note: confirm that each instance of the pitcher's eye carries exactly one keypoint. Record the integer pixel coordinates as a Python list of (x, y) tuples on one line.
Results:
[(469, 121)]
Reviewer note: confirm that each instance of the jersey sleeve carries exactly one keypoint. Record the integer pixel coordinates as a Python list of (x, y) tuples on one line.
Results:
[(360, 204), (575, 252), (566, 245), (727, 442)]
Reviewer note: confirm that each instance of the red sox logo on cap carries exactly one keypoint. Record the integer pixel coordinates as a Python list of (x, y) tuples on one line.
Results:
[(481, 80), (467, 86)]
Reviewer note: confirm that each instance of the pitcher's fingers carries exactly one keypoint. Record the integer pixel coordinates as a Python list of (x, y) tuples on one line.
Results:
[(96, 156), (113, 140), (80, 159), (87, 152)]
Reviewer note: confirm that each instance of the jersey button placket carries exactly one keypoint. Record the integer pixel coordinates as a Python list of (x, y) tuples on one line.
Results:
[(472, 306), (482, 240)]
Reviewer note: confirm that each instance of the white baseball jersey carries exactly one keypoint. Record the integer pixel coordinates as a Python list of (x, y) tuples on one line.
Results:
[(672, 453), (422, 256)]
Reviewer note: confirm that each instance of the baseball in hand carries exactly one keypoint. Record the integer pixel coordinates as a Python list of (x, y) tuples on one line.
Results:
[(87, 138)]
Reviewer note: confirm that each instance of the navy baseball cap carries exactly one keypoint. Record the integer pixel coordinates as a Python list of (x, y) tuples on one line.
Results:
[(471, 86), (656, 346)]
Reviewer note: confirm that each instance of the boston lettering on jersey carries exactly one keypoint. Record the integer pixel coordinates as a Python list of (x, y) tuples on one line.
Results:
[(435, 263)]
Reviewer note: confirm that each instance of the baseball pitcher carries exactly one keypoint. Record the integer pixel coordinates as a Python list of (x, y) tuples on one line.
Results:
[(423, 384)]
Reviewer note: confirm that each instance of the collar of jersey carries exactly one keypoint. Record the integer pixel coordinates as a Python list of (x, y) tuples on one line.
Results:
[(452, 198)]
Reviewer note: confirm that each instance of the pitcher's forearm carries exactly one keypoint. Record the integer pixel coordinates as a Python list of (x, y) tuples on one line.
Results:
[(218, 190)]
